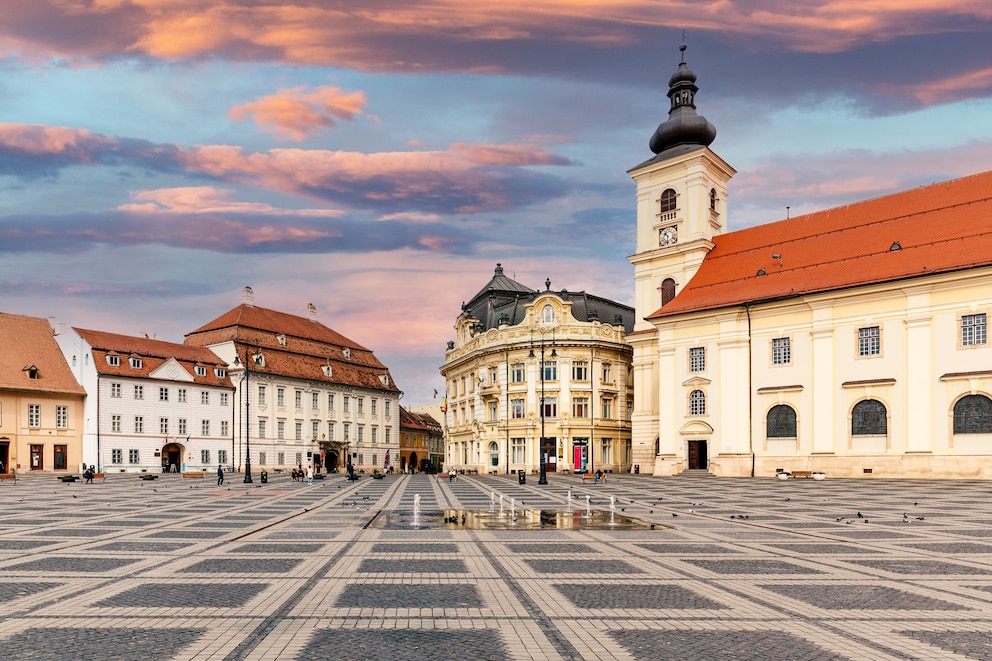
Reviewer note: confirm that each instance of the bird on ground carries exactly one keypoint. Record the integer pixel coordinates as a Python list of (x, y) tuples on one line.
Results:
[(75, 496), (674, 514), (866, 520), (905, 516), (787, 499), (860, 515), (919, 518)]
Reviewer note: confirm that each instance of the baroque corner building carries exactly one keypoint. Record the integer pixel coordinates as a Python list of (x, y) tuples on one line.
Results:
[(851, 341), (528, 365)]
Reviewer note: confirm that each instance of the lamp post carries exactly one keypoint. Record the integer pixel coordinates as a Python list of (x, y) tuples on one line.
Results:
[(247, 416), (554, 354)]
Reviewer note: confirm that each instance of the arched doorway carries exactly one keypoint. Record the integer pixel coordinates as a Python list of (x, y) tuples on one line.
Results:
[(172, 457), (413, 461)]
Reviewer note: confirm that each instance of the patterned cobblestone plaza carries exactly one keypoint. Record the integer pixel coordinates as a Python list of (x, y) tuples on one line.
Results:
[(734, 569)]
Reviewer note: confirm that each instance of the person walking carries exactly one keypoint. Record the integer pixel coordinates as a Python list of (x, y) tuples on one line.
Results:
[(309, 475), (220, 475)]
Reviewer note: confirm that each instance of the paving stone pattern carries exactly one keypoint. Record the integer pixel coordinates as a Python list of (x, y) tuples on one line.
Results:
[(125, 570)]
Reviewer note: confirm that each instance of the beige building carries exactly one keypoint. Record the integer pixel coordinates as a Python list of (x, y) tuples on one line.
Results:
[(528, 365), (41, 404), (851, 341)]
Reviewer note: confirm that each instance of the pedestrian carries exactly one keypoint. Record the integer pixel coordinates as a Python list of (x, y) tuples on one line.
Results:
[(2, 468), (88, 474), (451, 475), (309, 476), (220, 475)]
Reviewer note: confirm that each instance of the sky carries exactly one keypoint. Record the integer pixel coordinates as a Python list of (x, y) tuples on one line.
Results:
[(379, 158)]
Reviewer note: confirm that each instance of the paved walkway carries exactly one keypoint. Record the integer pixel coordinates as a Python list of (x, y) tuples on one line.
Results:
[(748, 569)]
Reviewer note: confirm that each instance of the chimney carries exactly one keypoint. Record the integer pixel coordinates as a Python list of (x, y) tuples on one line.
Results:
[(312, 311), (249, 297)]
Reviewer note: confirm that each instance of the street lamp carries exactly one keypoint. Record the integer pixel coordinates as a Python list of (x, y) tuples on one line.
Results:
[(554, 354), (247, 415)]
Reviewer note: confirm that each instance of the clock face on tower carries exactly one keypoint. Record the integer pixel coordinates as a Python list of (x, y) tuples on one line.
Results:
[(668, 236)]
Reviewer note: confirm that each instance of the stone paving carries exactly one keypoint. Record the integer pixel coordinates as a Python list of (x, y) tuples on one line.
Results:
[(734, 569)]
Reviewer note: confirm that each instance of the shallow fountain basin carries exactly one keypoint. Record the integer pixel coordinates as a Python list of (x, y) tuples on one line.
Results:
[(522, 519)]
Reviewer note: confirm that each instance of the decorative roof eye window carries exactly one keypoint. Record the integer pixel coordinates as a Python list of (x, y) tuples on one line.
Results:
[(347, 352), (548, 314), (281, 337)]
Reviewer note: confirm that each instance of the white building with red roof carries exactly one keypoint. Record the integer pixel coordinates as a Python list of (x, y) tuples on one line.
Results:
[(151, 405), (308, 395), (851, 341)]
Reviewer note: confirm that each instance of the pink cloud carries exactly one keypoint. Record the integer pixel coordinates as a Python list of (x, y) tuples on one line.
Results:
[(207, 199), (295, 114), (966, 85)]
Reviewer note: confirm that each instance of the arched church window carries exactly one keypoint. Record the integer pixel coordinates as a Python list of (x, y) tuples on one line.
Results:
[(667, 291), (669, 200), (781, 422), (493, 454), (697, 402), (868, 418), (712, 199), (973, 415)]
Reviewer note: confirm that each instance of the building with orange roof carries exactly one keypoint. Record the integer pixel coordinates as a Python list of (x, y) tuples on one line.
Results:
[(415, 442), (151, 405), (306, 395), (41, 404), (851, 341)]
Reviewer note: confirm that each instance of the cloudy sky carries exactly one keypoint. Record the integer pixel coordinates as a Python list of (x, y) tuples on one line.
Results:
[(378, 158)]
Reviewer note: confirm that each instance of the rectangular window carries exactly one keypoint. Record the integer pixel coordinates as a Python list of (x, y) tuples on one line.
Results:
[(261, 395), (347, 404), (223, 427), (375, 435), (139, 392), (135, 362), (163, 426), (697, 359), (163, 394), (580, 407), (375, 460), (261, 458), (204, 427), (517, 409), (139, 424), (205, 397), (298, 430), (115, 424), (387, 408), (607, 451), (974, 330), (607, 409), (607, 373), (181, 424), (375, 407), (493, 411), (117, 456), (781, 351), (314, 428), (517, 373), (200, 370), (223, 399), (61, 457), (518, 450), (580, 370), (361, 406), (280, 397), (299, 458), (298, 399), (347, 432), (62, 417), (261, 427), (330, 431), (550, 370), (221, 456), (281, 429), (869, 341), (315, 401), (280, 458), (361, 433), (550, 407), (388, 435), (114, 361), (115, 390), (330, 402), (181, 395), (133, 457), (205, 456)]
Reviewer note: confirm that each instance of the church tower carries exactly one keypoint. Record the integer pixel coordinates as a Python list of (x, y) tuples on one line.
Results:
[(681, 206)]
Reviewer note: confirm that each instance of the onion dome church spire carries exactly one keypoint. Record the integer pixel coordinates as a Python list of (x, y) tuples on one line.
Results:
[(683, 126)]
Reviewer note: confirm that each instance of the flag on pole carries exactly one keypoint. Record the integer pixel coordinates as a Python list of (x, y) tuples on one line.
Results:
[(435, 393)]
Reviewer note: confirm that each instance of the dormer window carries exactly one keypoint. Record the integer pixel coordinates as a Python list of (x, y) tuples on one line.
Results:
[(200, 370), (347, 352), (281, 338), (328, 371), (219, 372), (259, 359), (113, 361), (135, 362), (31, 372), (548, 314), (385, 379)]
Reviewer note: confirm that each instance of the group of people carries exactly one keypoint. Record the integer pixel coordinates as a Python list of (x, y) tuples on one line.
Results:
[(299, 474)]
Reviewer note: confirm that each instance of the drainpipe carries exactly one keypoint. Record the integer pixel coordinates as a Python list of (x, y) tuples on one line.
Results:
[(750, 433)]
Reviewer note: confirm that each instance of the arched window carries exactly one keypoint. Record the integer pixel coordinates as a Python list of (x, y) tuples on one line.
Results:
[(668, 200), (781, 422), (973, 415), (697, 402), (493, 454), (868, 418), (712, 199), (667, 290), (548, 314)]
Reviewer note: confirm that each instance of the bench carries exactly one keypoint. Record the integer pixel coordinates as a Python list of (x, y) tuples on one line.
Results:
[(592, 476), (68, 478), (8, 476), (188, 475), (802, 473), (147, 477)]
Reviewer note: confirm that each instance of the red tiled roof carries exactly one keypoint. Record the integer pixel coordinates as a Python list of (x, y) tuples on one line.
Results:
[(153, 354), (940, 228), (29, 342), (308, 347)]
